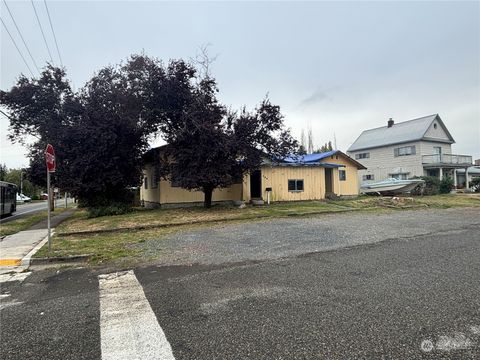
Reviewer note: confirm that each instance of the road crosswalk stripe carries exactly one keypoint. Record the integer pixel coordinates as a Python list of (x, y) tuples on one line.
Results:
[(128, 326)]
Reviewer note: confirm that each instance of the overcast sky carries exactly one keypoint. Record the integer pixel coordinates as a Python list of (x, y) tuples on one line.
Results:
[(337, 67)]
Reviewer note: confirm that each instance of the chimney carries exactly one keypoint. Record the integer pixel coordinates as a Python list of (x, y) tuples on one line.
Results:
[(390, 122)]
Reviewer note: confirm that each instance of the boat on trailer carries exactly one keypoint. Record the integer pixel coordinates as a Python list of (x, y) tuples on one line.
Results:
[(390, 186)]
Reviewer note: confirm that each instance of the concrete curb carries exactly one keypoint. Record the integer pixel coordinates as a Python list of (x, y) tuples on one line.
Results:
[(26, 260), (61, 259)]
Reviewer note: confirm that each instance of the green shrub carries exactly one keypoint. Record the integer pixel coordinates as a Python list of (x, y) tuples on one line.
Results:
[(430, 187), (102, 204), (112, 209), (475, 184), (446, 185)]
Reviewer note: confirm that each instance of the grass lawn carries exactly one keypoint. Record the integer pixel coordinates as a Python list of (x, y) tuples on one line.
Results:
[(181, 216), (107, 246), (24, 223)]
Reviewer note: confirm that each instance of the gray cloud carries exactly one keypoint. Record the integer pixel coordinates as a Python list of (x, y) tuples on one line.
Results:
[(318, 96)]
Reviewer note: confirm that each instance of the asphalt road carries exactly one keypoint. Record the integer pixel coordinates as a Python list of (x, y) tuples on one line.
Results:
[(32, 208), (407, 297)]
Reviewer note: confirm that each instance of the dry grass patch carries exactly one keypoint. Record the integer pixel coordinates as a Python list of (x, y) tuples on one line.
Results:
[(150, 218)]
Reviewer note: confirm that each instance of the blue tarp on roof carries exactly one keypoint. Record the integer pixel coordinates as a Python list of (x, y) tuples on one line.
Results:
[(309, 158)]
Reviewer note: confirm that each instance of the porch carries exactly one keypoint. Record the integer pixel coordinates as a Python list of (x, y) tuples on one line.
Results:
[(440, 165)]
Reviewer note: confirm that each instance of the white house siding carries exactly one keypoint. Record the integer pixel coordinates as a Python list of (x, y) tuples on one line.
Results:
[(427, 147), (436, 133), (382, 162)]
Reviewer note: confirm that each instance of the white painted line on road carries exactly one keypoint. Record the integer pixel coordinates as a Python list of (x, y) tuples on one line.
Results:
[(128, 326), (23, 213), (14, 277), (5, 305)]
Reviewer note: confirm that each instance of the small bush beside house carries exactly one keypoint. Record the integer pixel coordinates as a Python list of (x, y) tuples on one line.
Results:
[(475, 184), (430, 187), (446, 185)]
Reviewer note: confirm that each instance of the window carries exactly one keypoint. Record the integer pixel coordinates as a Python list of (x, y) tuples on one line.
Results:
[(154, 181), (342, 174), (435, 125), (399, 176), (295, 185), (368, 177), (362, 156), (404, 151), (145, 182)]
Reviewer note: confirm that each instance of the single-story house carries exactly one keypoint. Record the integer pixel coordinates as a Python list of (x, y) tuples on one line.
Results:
[(307, 177)]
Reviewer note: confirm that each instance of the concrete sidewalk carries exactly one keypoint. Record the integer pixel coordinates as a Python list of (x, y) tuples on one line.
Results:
[(16, 249)]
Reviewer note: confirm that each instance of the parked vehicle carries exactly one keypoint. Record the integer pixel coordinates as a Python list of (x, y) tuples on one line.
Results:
[(21, 198), (8, 204)]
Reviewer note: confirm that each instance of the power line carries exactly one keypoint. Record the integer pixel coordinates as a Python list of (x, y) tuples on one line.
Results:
[(16, 46), (21, 36), (53, 31), (41, 29)]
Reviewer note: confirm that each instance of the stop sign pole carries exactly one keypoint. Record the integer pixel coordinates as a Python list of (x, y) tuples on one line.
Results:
[(50, 161)]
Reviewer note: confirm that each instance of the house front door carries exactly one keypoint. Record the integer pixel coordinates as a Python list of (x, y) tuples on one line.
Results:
[(328, 181), (256, 184)]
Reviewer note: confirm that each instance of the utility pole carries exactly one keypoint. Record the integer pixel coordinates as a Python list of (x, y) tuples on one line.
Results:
[(21, 181)]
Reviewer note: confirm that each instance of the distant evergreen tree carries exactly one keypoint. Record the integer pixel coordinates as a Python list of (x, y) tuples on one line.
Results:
[(324, 148)]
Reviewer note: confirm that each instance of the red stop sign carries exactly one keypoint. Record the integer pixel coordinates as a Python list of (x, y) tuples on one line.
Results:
[(50, 158)]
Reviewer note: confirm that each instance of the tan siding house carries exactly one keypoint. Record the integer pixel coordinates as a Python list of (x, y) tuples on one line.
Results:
[(296, 180)]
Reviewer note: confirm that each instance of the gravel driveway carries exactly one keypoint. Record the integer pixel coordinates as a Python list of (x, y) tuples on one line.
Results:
[(277, 238)]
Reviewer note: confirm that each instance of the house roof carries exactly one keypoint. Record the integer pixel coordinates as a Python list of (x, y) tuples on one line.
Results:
[(314, 159), (471, 170), (407, 131), (308, 158), (293, 160)]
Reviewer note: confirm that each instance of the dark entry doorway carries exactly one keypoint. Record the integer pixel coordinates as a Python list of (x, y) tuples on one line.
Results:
[(328, 181), (256, 184)]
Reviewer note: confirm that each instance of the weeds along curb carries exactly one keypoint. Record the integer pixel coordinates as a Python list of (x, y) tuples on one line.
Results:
[(157, 226), (61, 259)]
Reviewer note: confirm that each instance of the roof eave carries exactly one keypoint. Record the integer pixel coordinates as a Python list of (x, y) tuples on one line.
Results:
[(357, 164), (390, 144)]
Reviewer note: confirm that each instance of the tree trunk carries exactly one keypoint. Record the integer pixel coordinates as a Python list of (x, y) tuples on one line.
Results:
[(208, 197)]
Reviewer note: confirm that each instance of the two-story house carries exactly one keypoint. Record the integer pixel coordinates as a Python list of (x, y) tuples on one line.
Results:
[(418, 147)]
